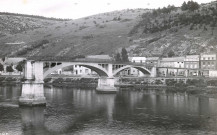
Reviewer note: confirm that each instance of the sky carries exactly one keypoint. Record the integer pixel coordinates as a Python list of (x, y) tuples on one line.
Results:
[(73, 9)]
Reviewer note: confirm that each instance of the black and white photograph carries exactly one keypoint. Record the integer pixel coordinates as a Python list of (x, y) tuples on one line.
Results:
[(108, 67)]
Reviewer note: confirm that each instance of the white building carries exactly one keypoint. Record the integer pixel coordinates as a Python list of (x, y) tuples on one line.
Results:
[(137, 59), (133, 71), (80, 70), (175, 62), (212, 73), (171, 66)]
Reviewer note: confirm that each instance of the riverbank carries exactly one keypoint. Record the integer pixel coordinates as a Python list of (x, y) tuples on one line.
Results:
[(72, 82), (199, 87)]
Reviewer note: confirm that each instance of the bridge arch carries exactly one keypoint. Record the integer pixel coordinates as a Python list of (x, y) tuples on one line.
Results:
[(95, 67), (140, 68)]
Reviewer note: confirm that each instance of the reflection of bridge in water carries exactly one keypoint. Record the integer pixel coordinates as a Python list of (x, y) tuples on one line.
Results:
[(38, 69)]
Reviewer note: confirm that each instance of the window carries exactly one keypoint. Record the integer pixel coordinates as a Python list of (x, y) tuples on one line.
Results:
[(212, 58), (208, 58), (140, 61), (204, 63)]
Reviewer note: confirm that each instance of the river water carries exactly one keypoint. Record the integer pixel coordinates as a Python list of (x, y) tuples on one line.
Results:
[(129, 112)]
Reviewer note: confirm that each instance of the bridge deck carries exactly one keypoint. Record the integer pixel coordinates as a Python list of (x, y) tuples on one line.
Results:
[(86, 60)]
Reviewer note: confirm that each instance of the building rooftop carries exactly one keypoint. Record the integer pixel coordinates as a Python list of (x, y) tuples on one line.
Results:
[(104, 57), (192, 56), (152, 58), (173, 59)]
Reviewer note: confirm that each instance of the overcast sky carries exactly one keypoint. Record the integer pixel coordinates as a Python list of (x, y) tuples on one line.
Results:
[(74, 9)]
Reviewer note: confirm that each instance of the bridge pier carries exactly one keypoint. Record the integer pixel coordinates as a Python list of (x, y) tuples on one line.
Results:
[(106, 85), (33, 85)]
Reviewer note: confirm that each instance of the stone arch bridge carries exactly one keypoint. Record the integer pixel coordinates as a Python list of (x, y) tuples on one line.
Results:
[(36, 70)]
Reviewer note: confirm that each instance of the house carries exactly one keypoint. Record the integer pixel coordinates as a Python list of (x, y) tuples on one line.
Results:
[(192, 65), (137, 59), (154, 61), (207, 63), (80, 70), (174, 62), (192, 61), (173, 66), (133, 71)]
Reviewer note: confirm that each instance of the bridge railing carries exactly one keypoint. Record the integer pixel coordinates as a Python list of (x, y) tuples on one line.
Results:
[(82, 59)]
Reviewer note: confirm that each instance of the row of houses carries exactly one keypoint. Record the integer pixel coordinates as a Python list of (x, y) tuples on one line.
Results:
[(189, 65)]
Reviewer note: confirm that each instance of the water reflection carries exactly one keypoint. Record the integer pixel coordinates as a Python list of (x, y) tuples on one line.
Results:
[(82, 111), (33, 120)]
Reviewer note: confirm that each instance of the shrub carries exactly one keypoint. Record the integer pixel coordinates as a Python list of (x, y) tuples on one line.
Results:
[(196, 82), (2, 79), (46, 80), (158, 82), (170, 82)]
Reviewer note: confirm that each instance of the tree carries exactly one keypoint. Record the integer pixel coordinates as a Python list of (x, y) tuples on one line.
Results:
[(191, 5), (3, 59), (194, 6), (9, 69), (171, 54), (184, 6), (118, 57), (124, 55), (19, 67), (1, 67)]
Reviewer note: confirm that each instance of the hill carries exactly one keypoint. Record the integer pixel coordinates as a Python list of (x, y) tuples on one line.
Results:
[(101, 33), (178, 30), (190, 29)]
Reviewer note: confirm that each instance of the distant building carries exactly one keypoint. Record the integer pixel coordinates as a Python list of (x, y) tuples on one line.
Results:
[(133, 71), (137, 59), (207, 63), (80, 70), (212, 73), (155, 61), (175, 62), (171, 66), (192, 65), (192, 61)]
